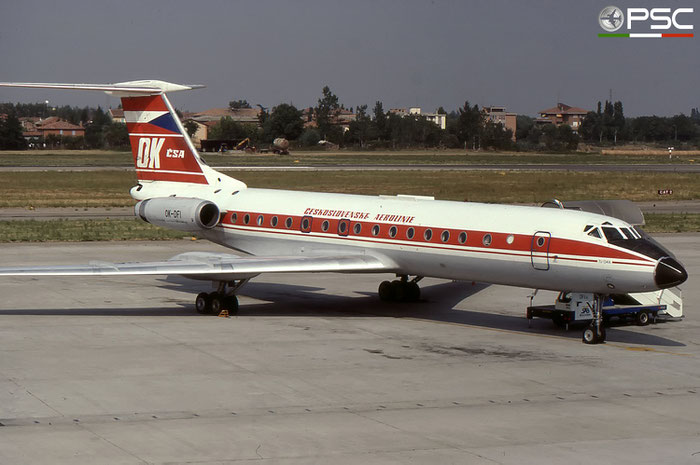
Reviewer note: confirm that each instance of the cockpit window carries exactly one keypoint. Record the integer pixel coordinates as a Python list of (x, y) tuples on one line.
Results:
[(628, 233), (595, 232), (588, 227), (612, 234)]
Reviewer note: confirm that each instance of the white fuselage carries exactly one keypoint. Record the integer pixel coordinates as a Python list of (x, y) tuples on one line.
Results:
[(532, 247)]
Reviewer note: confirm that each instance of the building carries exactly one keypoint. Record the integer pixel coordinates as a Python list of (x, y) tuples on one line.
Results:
[(35, 129), (500, 115), (438, 118), (211, 117), (563, 114), (117, 115), (342, 118)]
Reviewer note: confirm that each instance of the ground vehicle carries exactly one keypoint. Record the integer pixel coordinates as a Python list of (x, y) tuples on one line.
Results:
[(642, 308)]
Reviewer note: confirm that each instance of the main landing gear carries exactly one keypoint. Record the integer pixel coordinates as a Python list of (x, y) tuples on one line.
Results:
[(222, 299), (400, 290), (595, 333)]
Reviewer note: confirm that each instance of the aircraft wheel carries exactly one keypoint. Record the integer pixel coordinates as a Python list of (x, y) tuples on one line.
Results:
[(400, 291), (413, 291), (203, 303), (642, 318), (217, 303), (231, 304), (591, 337), (386, 291)]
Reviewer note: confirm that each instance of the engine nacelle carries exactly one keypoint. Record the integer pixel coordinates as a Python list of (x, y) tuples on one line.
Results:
[(181, 213)]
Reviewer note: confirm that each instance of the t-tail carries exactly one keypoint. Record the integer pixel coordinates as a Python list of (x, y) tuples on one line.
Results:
[(164, 157)]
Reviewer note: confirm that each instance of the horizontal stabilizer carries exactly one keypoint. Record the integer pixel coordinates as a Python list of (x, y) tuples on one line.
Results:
[(147, 87)]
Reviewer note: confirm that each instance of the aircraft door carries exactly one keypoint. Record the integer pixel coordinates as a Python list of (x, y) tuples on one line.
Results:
[(539, 250)]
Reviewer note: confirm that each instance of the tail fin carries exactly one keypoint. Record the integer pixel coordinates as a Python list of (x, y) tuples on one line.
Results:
[(160, 145)]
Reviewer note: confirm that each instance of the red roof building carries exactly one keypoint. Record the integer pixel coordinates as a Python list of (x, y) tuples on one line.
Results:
[(563, 114)]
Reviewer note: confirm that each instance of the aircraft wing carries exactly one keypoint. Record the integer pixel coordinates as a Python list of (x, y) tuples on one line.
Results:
[(204, 265)]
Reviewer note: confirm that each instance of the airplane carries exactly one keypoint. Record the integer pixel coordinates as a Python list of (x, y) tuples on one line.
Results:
[(612, 19), (410, 236)]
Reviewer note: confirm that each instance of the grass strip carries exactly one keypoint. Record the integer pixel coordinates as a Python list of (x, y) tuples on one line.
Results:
[(111, 188), (137, 230), (84, 230)]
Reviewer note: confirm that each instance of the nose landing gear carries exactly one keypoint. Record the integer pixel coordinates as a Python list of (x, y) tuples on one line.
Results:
[(595, 333)]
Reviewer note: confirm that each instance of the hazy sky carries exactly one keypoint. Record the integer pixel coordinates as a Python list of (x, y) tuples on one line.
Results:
[(521, 54)]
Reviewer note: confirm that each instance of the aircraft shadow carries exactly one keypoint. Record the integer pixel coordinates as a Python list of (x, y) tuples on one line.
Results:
[(437, 304)]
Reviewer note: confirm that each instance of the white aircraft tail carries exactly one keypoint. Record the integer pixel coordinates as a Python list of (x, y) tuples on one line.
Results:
[(160, 146)]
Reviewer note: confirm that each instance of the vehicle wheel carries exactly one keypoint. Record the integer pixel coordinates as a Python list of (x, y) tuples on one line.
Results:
[(642, 318), (216, 304), (203, 303), (558, 321), (386, 291), (231, 304)]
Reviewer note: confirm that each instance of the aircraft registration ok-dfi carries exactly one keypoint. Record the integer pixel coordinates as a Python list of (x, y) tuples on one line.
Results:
[(411, 236)]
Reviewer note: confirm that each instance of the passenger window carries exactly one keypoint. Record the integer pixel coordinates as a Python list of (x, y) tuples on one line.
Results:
[(410, 233), (375, 230), (234, 218), (428, 234), (487, 240), (325, 225), (288, 222), (462, 237), (260, 220), (343, 227), (246, 218), (393, 231), (306, 224), (357, 228), (445, 236), (273, 222)]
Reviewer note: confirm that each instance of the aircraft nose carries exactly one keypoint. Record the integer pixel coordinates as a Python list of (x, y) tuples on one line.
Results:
[(669, 273)]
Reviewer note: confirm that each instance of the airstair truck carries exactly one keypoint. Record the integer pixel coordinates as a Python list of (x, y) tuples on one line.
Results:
[(642, 307)]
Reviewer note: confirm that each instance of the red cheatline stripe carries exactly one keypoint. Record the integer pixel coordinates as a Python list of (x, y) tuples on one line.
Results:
[(521, 244), (676, 35)]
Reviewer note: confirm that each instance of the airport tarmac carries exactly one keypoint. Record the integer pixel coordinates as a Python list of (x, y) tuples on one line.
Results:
[(315, 369)]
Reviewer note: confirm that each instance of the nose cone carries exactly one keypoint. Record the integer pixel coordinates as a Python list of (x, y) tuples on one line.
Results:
[(669, 273)]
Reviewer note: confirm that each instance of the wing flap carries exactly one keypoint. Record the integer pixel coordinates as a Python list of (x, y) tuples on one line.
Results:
[(203, 264)]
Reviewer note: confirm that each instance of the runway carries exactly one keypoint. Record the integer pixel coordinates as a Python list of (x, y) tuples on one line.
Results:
[(315, 369), (657, 168)]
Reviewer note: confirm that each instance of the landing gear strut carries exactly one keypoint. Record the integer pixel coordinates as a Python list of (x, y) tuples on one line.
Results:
[(595, 333), (400, 290), (222, 299)]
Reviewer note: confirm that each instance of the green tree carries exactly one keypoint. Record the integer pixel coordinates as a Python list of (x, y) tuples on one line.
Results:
[(116, 135), (227, 128), (238, 104), (379, 120), (361, 129), (284, 121), (469, 123), (326, 113), (190, 127), (11, 137)]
